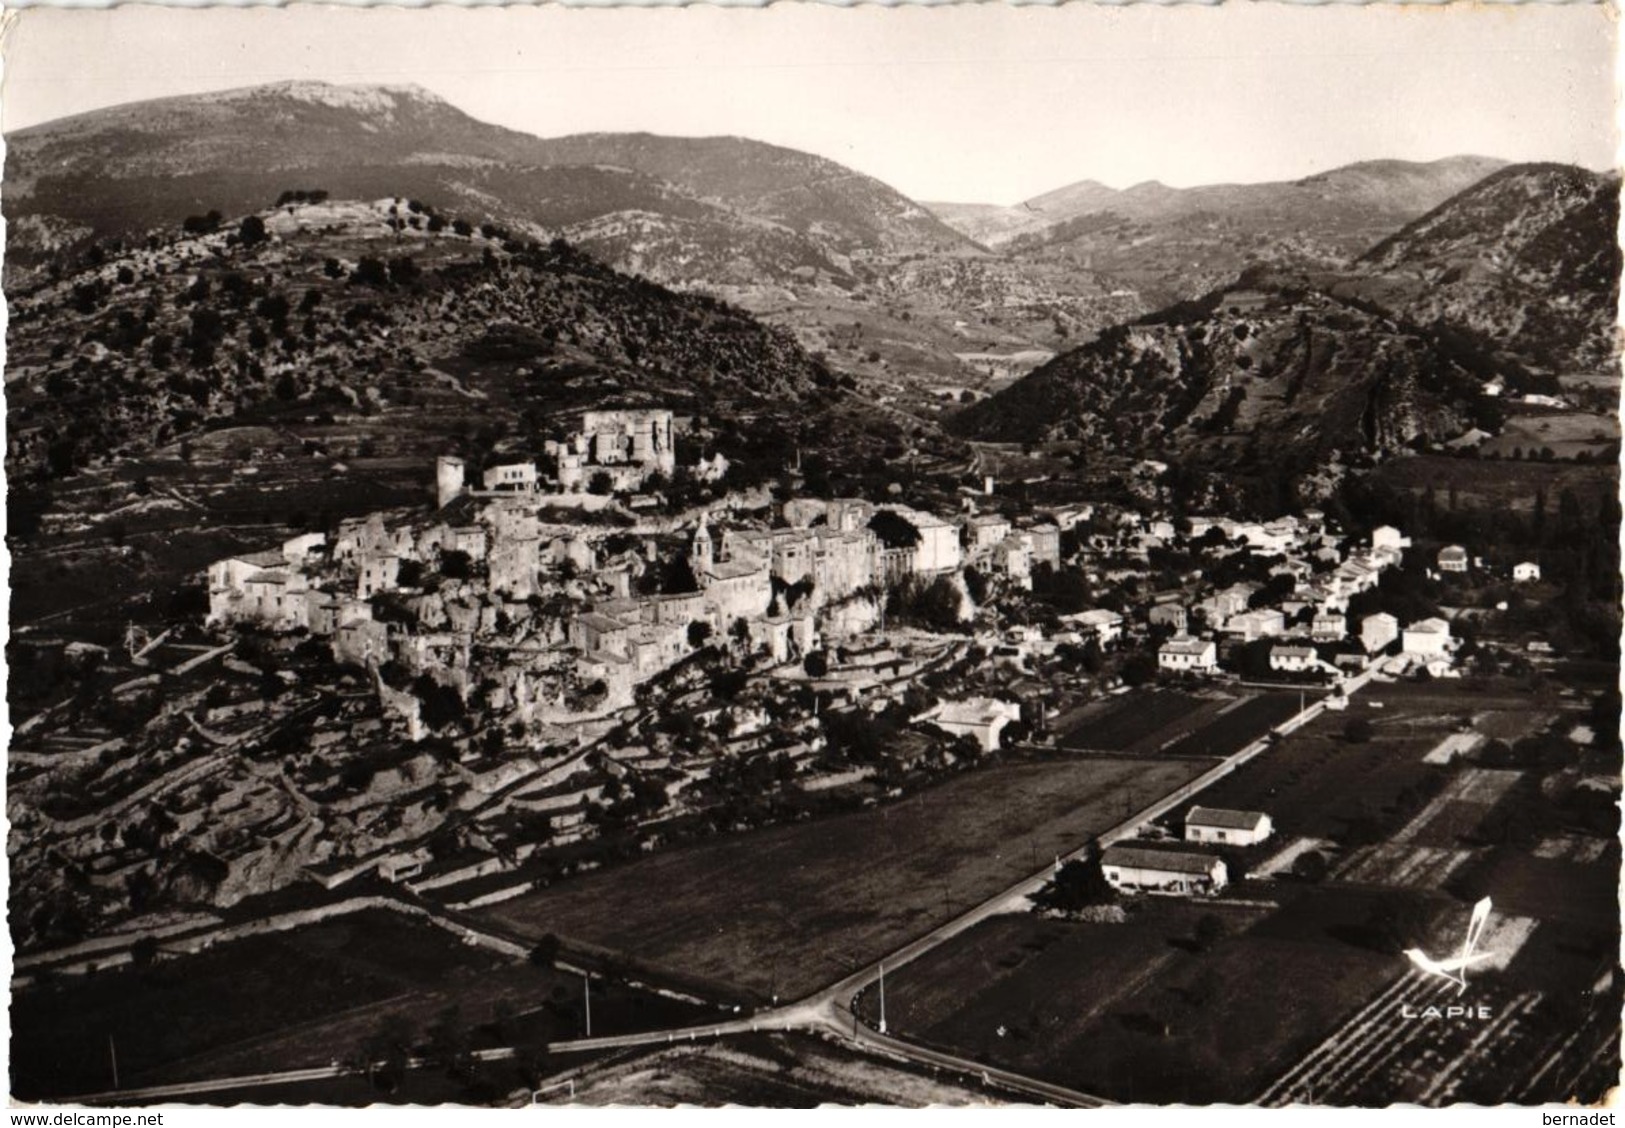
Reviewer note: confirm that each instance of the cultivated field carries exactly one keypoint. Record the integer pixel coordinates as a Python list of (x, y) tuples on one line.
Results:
[(1544, 1041), (1581, 893), (1236, 727), (180, 1008), (1134, 719), (1019, 990), (788, 909), (1566, 433), (1429, 849), (1315, 783), (293, 1000), (1136, 1011)]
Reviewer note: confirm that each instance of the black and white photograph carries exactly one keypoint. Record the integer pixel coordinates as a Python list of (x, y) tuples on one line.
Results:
[(965, 556)]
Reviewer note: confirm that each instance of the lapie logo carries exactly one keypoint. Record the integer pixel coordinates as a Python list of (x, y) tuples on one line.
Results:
[(1453, 969)]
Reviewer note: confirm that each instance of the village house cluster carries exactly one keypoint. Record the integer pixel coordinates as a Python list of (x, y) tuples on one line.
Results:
[(1304, 608), (510, 590)]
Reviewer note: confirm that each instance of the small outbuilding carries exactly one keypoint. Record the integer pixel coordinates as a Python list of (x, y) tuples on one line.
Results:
[(1232, 828)]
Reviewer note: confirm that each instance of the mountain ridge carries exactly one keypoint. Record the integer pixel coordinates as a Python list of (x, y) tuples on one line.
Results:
[(1085, 197), (99, 174)]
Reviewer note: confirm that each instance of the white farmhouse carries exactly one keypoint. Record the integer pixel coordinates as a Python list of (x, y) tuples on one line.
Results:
[(979, 717), (1527, 572), (1389, 539), (228, 584), (1453, 558), (1429, 639), (1132, 869), (1261, 622), (1183, 652), (1378, 631), (1293, 659), (1233, 828)]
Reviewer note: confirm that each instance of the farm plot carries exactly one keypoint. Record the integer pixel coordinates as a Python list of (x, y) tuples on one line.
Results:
[(1567, 434), (1511, 724), (179, 1008), (292, 1000), (1234, 729), (1315, 784), (1503, 485), (1537, 1043), (1381, 1056), (1456, 744), (785, 910), (1219, 1026), (1427, 851), (1551, 889), (1133, 720), (1023, 991)]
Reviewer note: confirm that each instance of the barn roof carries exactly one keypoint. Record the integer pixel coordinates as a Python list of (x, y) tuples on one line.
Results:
[(1186, 646), (1224, 819), (1168, 861)]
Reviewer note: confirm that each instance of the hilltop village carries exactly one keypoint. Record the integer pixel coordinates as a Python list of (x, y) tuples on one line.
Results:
[(572, 673)]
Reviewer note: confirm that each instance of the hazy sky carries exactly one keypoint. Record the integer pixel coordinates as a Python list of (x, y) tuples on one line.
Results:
[(988, 102)]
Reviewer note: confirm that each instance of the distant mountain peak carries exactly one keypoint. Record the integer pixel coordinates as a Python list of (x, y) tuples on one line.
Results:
[(363, 97)]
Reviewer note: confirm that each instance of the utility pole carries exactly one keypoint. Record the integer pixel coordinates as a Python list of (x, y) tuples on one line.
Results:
[(112, 1052), (586, 996), (882, 998)]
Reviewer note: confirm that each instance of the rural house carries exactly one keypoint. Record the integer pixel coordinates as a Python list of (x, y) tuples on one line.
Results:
[(1182, 653), (1378, 631), (1263, 622), (1429, 638), (1132, 869), (981, 718), (1526, 572), (511, 476), (1293, 659), (1386, 538), (1233, 828), (1169, 613), (1328, 627), (1453, 558)]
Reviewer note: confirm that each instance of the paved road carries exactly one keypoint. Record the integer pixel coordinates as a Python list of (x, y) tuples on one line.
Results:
[(832, 1009)]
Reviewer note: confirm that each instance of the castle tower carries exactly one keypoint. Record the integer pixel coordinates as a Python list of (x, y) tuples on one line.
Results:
[(449, 484)]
